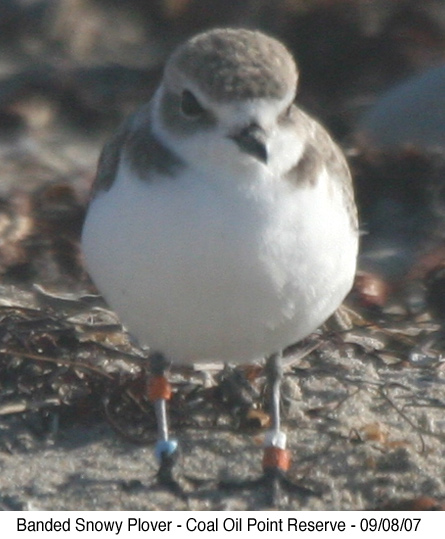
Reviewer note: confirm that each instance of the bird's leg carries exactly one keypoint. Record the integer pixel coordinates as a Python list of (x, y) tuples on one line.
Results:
[(159, 392), (276, 456), (166, 451)]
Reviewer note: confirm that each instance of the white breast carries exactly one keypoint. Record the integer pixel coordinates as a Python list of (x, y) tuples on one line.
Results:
[(199, 270)]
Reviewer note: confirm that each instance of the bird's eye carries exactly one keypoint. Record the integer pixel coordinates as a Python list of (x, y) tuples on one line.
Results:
[(190, 105)]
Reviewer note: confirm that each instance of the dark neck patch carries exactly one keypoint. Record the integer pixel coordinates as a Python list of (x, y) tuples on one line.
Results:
[(145, 153), (308, 168), (321, 152), (141, 148)]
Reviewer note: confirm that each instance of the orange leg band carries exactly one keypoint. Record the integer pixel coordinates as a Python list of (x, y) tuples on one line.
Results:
[(275, 457), (159, 388)]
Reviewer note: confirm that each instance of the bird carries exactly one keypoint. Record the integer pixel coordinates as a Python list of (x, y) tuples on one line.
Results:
[(222, 222)]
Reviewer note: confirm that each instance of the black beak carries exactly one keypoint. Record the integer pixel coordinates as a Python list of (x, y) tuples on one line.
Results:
[(252, 140)]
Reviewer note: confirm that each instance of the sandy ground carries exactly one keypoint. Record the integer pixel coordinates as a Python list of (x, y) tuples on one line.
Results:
[(363, 435)]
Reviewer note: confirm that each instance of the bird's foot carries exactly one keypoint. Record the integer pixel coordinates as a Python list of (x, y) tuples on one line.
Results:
[(276, 464), (168, 478), (167, 455), (274, 481)]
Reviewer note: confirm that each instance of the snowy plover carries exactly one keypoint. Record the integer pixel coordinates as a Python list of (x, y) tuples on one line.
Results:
[(222, 223)]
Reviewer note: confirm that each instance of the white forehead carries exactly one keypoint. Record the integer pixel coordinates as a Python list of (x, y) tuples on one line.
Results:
[(263, 110)]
